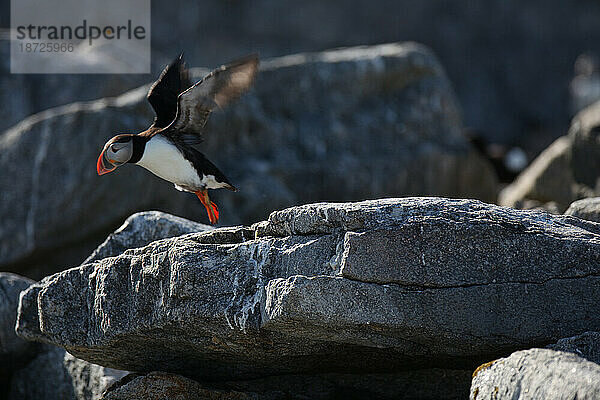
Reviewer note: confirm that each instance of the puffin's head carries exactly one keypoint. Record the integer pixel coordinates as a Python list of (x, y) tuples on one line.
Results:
[(117, 151)]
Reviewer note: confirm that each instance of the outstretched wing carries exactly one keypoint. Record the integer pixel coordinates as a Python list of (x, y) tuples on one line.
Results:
[(217, 89), (164, 92)]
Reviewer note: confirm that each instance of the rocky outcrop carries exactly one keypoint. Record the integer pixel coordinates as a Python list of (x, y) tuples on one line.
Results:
[(586, 208), (537, 374), (384, 285), (564, 172), (56, 375), (303, 134)]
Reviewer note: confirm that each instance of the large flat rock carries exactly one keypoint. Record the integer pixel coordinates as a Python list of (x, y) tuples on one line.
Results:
[(347, 124), (381, 285)]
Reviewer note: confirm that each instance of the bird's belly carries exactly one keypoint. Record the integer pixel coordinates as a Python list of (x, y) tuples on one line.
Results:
[(165, 161)]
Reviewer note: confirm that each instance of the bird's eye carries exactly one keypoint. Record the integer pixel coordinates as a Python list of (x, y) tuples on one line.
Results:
[(113, 148)]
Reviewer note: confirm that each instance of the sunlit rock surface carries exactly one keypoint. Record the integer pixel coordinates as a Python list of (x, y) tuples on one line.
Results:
[(382, 285)]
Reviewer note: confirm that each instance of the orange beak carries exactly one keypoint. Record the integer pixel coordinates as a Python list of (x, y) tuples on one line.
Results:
[(103, 166)]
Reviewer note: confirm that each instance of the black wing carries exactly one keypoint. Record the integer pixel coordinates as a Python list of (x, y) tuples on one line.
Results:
[(217, 89), (164, 92)]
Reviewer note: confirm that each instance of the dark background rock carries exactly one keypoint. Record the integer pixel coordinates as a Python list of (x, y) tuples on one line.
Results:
[(56, 375), (296, 300), (585, 208), (511, 61), (303, 134), (566, 171), (14, 351), (537, 374)]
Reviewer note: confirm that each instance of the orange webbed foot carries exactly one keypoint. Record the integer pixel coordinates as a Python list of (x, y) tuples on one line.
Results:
[(211, 208)]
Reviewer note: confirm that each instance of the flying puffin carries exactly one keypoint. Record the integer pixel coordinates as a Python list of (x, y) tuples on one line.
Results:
[(166, 148)]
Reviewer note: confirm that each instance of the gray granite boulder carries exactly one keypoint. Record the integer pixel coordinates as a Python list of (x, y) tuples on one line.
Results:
[(14, 351), (56, 375), (382, 285), (566, 171), (142, 228), (586, 345), (347, 124), (537, 374), (585, 208)]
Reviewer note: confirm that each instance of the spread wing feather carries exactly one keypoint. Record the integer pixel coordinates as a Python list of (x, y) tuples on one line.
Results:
[(217, 89), (163, 94)]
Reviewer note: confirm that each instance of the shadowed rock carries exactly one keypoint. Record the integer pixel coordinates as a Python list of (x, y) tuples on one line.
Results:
[(344, 125), (463, 281), (14, 351), (537, 374), (433, 384), (161, 385), (56, 375)]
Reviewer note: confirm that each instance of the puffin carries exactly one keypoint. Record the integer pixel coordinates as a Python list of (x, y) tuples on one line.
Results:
[(168, 147)]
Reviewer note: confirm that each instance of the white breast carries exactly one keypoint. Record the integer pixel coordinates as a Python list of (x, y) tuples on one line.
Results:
[(162, 158)]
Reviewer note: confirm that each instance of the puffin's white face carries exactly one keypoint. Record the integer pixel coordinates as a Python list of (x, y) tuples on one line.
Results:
[(117, 151)]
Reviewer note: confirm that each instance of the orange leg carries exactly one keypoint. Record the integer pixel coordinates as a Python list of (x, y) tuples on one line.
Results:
[(211, 208)]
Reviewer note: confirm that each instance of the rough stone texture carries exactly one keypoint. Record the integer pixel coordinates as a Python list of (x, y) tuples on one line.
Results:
[(586, 345), (463, 281), (566, 171), (361, 123), (14, 351), (537, 374), (586, 208), (57, 375), (161, 385), (142, 228)]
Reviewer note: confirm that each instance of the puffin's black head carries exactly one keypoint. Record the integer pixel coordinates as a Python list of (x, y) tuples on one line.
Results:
[(117, 151)]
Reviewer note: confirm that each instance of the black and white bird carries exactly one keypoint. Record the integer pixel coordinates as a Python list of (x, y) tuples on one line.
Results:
[(167, 147)]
